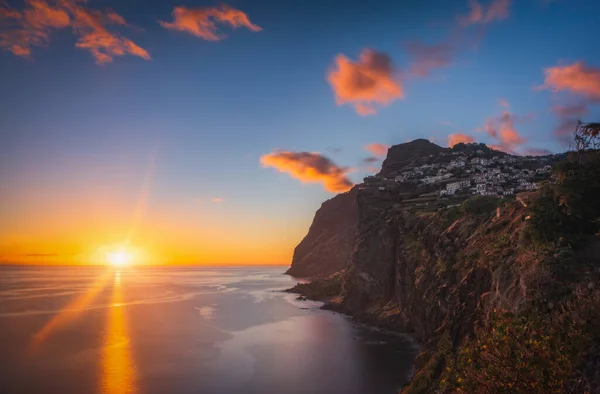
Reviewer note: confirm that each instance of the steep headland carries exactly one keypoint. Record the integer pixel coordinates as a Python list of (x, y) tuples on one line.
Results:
[(502, 292), (330, 240)]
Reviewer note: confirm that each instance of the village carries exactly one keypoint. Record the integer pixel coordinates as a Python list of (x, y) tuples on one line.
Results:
[(453, 175)]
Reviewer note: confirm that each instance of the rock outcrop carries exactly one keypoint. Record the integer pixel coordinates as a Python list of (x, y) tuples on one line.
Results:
[(442, 274), (329, 243)]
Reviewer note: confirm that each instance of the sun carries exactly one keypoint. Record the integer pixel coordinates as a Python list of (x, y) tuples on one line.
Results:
[(119, 258)]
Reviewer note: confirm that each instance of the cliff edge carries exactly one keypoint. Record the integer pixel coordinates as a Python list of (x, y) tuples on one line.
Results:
[(503, 293), (329, 243)]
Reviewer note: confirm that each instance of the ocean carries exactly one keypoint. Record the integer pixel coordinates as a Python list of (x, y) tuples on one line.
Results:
[(184, 330)]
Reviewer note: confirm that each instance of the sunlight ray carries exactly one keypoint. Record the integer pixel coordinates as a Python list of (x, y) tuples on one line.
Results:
[(69, 312)]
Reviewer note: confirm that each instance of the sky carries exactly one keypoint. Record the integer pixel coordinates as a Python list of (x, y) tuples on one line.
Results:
[(199, 132)]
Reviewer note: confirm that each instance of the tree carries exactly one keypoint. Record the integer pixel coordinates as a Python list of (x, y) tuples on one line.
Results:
[(587, 137)]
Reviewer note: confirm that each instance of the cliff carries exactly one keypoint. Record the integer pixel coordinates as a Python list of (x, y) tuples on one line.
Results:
[(329, 243), (409, 154), (502, 293)]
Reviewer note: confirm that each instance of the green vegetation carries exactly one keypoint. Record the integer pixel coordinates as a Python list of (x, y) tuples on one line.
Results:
[(567, 212), (520, 354), (552, 344), (480, 205)]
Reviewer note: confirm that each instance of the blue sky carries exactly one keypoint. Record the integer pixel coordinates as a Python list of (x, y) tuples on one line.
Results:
[(204, 112)]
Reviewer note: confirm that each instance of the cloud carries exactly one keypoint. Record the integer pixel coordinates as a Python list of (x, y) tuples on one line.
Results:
[(201, 21), (41, 255), (22, 30), (366, 82), (371, 159), (497, 10), (19, 30), (216, 199), (503, 103), (565, 129), (427, 58), (577, 78), (458, 138), (570, 110), (568, 115), (536, 152), (309, 167), (90, 26), (377, 149), (503, 130)]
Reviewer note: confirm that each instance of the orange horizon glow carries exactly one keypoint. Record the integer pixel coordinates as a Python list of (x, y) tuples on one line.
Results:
[(94, 211)]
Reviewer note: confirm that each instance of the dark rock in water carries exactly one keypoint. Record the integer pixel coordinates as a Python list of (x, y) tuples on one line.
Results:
[(321, 289)]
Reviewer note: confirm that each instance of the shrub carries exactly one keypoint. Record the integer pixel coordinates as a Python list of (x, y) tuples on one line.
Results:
[(479, 205), (518, 353)]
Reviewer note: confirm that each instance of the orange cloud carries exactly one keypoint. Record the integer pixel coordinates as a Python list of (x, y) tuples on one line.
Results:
[(504, 131), (458, 138), (31, 27), (377, 149), (201, 21), (577, 78), (496, 10), (366, 82), (93, 36), (20, 30), (309, 167), (429, 57)]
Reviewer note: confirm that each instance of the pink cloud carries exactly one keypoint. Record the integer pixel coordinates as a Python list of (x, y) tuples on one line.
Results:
[(201, 22), (503, 103), (377, 149), (216, 199), (577, 78), (570, 110), (366, 82), (427, 58), (458, 138), (495, 11), (503, 130), (310, 167), (22, 30)]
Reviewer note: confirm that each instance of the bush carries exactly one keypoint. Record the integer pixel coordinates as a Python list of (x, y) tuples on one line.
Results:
[(479, 205), (520, 354), (569, 210)]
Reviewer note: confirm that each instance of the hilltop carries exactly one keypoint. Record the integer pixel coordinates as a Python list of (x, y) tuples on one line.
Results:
[(501, 289), (419, 176)]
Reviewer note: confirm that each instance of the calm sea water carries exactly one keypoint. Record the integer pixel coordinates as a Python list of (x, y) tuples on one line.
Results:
[(175, 330)]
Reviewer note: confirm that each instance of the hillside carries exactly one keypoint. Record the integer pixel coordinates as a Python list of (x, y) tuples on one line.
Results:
[(502, 292)]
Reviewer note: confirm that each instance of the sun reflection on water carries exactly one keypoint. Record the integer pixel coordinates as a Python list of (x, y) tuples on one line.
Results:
[(118, 369)]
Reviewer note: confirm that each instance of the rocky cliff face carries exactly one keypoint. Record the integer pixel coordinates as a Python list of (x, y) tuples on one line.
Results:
[(329, 243), (408, 154), (441, 275), (429, 272)]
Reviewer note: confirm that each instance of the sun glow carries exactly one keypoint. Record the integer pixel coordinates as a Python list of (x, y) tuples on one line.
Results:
[(119, 258)]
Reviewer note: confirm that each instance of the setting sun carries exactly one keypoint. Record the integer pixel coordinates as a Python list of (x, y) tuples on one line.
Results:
[(118, 258)]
